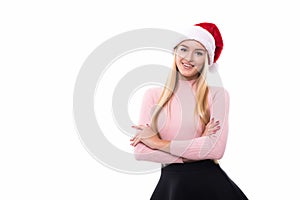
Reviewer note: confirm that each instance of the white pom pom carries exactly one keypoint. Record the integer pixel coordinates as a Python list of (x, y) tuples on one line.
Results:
[(213, 68)]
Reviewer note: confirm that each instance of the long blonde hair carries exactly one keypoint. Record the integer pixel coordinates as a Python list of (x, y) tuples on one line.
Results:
[(201, 108)]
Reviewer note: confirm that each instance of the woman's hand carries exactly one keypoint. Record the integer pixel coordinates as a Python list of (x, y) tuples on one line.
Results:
[(147, 136), (211, 128)]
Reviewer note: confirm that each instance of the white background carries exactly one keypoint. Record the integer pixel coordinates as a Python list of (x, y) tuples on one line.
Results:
[(43, 45)]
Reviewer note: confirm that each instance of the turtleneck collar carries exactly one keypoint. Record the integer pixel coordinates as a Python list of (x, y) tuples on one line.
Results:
[(183, 81)]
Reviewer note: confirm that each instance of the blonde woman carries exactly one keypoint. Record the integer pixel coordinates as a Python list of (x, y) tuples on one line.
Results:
[(184, 125)]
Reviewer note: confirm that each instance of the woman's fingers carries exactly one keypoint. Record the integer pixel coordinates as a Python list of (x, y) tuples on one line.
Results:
[(212, 127), (215, 129), (135, 141), (140, 127), (144, 132), (214, 124), (133, 138)]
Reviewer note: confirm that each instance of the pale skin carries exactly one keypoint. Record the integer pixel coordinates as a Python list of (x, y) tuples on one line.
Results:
[(190, 58)]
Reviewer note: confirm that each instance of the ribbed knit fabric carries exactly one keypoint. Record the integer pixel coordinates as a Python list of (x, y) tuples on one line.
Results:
[(178, 123)]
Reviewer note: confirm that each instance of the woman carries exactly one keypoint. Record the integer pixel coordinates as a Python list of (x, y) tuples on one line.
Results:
[(184, 126)]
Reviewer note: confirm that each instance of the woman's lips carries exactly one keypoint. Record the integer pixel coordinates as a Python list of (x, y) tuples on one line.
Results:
[(187, 66)]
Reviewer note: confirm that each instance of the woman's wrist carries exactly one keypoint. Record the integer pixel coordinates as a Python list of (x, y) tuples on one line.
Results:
[(163, 145)]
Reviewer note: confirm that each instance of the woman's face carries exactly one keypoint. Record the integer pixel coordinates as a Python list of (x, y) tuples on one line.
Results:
[(190, 58)]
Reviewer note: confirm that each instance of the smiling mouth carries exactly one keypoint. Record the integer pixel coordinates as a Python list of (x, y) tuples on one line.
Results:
[(187, 66)]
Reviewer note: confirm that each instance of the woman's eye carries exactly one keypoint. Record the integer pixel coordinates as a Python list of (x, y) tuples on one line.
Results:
[(183, 49), (199, 53)]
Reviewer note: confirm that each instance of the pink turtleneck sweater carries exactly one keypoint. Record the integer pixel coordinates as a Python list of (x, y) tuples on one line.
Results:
[(182, 127)]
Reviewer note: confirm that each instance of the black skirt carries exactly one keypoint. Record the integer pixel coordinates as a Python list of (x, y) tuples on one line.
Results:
[(201, 180)]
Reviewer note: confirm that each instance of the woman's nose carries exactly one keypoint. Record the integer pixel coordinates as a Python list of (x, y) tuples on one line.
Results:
[(189, 57)]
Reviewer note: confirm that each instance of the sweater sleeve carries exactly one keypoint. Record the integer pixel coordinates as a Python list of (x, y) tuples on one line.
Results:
[(211, 146), (143, 152)]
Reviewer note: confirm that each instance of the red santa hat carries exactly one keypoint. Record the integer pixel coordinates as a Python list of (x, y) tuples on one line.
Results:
[(210, 37)]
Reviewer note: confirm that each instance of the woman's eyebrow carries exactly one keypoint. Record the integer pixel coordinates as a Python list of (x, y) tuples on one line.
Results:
[(184, 46), (188, 47), (200, 49)]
